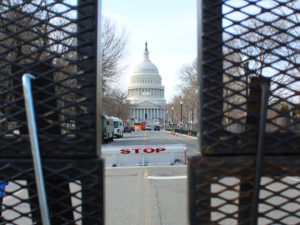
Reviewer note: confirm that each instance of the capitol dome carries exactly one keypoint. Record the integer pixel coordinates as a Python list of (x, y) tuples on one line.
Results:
[(146, 66), (146, 94)]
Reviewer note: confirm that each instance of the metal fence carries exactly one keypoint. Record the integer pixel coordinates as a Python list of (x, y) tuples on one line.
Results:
[(57, 42), (248, 63)]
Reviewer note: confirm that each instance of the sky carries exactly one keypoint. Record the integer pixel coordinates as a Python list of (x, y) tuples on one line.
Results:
[(169, 27)]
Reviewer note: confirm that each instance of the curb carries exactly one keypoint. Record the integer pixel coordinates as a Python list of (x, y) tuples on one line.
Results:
[(178, 134)]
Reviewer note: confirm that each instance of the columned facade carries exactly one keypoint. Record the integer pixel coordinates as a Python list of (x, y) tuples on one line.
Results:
[(145, 113), (146, 94)]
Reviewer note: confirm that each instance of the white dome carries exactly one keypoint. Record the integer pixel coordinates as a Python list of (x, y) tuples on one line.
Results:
[(146, 94), (146, 67)]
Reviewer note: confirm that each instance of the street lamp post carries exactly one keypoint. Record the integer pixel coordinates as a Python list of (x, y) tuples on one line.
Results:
[(167, 118), (172, 117), (181, 113)]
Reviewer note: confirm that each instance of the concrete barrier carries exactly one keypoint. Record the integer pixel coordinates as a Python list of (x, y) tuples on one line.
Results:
[(144, 155)]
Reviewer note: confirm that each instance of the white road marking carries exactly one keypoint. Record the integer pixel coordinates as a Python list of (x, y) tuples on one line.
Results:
[(166, 177)]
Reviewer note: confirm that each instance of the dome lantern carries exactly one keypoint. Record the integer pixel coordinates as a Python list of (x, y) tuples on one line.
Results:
[(146, 53)]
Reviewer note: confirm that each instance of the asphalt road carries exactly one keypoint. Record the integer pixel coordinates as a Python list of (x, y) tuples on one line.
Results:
[(148, 195), (156, 138)]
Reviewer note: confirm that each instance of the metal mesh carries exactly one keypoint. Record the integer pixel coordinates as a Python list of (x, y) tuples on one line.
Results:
[(74, 192), (222, 189), (245, 43), (56, 42)]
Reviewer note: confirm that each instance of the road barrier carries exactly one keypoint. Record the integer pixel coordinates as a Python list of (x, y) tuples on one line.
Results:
[(144, 155)]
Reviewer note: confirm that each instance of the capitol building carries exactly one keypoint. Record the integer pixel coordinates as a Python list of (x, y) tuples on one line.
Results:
[(146, 94)]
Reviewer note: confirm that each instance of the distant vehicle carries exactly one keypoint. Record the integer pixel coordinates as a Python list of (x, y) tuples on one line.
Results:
[(137, 126), (130, 124), (156, 122), (157, 128), (148, 127), (127, 129), (118, 127), (143, 125), (107, 126)]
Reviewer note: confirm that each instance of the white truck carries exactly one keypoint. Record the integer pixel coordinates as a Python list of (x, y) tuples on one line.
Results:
[(118, 127)]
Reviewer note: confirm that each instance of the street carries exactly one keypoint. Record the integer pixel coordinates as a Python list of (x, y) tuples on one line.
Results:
[(148, 195), (156, 138)]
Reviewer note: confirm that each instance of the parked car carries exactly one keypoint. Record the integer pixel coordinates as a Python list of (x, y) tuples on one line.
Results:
[(148, 127), (157, 128), (127, 129)]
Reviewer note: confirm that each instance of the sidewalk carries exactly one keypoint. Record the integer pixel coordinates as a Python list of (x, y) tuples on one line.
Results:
[(178, 134)]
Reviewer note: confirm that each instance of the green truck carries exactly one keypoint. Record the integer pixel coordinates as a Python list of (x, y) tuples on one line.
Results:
[(107, 126)]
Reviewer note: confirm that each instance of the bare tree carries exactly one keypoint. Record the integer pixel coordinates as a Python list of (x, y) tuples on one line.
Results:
[(188, 97), (52, 38), (114, 42), (115, 104)]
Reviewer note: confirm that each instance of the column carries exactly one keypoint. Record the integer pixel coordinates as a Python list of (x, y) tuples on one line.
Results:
[(159, 113), (147, 113), (140, 114)]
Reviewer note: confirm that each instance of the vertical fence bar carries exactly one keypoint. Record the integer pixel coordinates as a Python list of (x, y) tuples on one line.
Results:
[(260, 151), (211, 77), (35, 148), (98, 78)]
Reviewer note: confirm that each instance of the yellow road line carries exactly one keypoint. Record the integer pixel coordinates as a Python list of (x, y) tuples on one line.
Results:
[(146, 173)]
